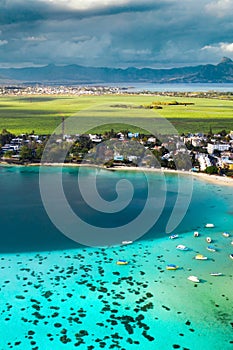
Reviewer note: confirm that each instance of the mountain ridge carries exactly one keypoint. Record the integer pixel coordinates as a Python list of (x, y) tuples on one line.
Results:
[(74, 74)]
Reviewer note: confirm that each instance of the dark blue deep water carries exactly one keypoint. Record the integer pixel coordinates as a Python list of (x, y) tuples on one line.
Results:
[(25, 225)]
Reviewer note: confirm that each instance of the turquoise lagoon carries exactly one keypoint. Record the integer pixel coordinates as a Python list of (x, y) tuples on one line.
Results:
[(57, 294)]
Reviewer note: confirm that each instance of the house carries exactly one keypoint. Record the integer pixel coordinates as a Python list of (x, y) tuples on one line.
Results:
[(151, 140), (132, 158), (120, 136), (196, 141), (204, 161), (118, 157), (10, 147), (130, 135), (95, 138), (211, 147)]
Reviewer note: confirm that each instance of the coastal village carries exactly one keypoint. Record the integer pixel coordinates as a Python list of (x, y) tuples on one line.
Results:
[(79, 90), (209, 153), (58, 90)]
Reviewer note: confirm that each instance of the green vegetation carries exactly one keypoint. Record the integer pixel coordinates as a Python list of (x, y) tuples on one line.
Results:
[(158, 104), (44, 113), (212, 170)]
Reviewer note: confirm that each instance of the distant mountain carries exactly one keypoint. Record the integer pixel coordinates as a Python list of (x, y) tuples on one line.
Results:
[(75, 74)]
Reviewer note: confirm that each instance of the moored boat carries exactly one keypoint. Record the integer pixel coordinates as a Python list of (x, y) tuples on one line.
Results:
[(216, 273), (231, 256), (126, 242), (211, 248), (209, 225), (194, 279), (172, 267), (208, 239), (173, 236), (122, 262), (226, 234), (181, 247), (196, 234), (200, 257)]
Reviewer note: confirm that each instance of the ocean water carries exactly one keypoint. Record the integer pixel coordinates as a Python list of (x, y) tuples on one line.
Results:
[(56, 293), (180, 87)]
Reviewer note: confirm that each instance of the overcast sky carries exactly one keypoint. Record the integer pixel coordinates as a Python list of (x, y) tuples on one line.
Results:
[(115, 33)]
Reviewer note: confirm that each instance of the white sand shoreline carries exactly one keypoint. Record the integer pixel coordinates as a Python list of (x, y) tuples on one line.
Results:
[(222, 180), (216, 179)]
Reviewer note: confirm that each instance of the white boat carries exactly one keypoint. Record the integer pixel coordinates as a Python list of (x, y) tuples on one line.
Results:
[(172, 267), (226, 234), (216, 273), (209, 225), (232, 242), (194, 279), (200, 257), (196, 234), (122, 262), (231, 256), (173, 236), (181, 247), (208, 239), (211, 248), (126, 242)]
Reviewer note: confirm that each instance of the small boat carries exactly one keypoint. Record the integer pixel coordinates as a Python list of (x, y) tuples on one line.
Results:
[(211, 248), (209, 225), (172, 267), (122, 262), (200, 257), (208, 239), (173, 236), (232, 242), (126, 242), (196, 234), (226, 234), (231, 256), (194, 279), (216, 273), (181, 247)]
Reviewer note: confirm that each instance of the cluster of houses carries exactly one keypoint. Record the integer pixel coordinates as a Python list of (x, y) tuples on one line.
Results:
[(123, 148), (40, 89), (215, 150), (59, 90), (11, 150), (23, 139)]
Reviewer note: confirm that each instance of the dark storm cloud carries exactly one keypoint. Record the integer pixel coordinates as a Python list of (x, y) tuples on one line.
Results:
[(15, 11), (115, 33)]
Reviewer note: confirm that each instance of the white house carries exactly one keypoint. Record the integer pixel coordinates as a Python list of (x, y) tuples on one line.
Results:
[(211, 147), (204, 161)]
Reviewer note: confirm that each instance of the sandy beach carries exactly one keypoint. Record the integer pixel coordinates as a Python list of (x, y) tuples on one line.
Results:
[(216, 179), (221, 180)]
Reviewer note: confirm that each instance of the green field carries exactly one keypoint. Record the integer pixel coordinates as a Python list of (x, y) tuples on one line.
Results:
[(44, 113)]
